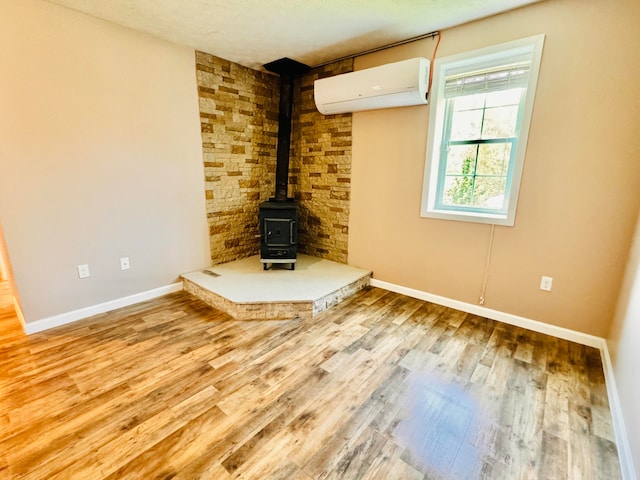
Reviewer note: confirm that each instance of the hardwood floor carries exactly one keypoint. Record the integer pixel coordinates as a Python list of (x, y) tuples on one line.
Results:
[(380, 387)]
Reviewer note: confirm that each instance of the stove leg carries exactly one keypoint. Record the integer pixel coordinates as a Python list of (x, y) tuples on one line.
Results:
[(264, 266), (293, 266)]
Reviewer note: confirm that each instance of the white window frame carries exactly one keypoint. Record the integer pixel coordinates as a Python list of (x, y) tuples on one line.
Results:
[(469, 62)]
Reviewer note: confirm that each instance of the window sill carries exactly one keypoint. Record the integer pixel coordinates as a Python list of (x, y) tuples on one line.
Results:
[(473, 217)]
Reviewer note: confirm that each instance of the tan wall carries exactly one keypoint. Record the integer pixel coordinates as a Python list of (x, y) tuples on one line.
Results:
[(239, 122), (579, 195), (623, 344), (101, 158)]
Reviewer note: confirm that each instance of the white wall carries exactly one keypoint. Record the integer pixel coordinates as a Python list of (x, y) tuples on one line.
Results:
[(101, 158), (624, 347)]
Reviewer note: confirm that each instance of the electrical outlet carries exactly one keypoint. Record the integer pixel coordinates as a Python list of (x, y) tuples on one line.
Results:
[(124, 263), (545, 283), (83, 271)]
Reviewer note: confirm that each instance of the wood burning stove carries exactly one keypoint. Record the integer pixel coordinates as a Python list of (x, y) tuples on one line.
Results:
[(278, 233), (279, 216)]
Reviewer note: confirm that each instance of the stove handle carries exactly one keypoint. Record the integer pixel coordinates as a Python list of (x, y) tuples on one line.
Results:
[(293, 233)]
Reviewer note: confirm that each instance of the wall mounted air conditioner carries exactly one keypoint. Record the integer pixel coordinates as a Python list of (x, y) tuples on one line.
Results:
[(397, 84)]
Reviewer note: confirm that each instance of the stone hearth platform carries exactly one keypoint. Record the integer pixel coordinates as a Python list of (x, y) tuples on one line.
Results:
[(247, 292)]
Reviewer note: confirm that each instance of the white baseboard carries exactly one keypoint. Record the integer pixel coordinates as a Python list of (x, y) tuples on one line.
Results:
[(18, 310), (622, 441), (619, 429), (535, 325), (75, 315)]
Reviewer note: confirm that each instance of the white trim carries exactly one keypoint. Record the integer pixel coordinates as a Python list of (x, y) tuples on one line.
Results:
[(18, 310), (481, 58), (75, 315), (622, 440), (619, 430), (535, 325)]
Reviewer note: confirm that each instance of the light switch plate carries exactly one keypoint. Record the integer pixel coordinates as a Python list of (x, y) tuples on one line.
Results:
[(124, 263), (83, 271)]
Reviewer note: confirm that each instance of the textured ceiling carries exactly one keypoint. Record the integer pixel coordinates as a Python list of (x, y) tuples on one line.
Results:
[(254, 32)]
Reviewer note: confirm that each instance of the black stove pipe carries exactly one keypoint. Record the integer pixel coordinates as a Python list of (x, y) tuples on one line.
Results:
[(284, 137), (287, 69)]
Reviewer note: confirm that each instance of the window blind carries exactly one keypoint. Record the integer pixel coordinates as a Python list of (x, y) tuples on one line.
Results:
[(491, 80)]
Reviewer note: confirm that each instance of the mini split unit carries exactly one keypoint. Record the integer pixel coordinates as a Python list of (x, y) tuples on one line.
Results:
[(398, 84)]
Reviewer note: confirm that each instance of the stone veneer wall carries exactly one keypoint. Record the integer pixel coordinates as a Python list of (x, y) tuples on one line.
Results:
[(239, 122), (320, 169)]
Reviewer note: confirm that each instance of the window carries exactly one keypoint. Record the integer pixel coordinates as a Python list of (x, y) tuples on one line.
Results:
[(481, 104)]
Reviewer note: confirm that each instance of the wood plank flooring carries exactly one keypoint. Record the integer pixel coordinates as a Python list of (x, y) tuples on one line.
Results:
[(381, 386)]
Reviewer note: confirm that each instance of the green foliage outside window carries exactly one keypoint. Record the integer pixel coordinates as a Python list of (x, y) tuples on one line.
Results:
[(481, 134), (461, 191)]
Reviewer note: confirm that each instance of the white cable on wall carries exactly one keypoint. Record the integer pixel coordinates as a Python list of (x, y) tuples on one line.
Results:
[(486, 268)]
